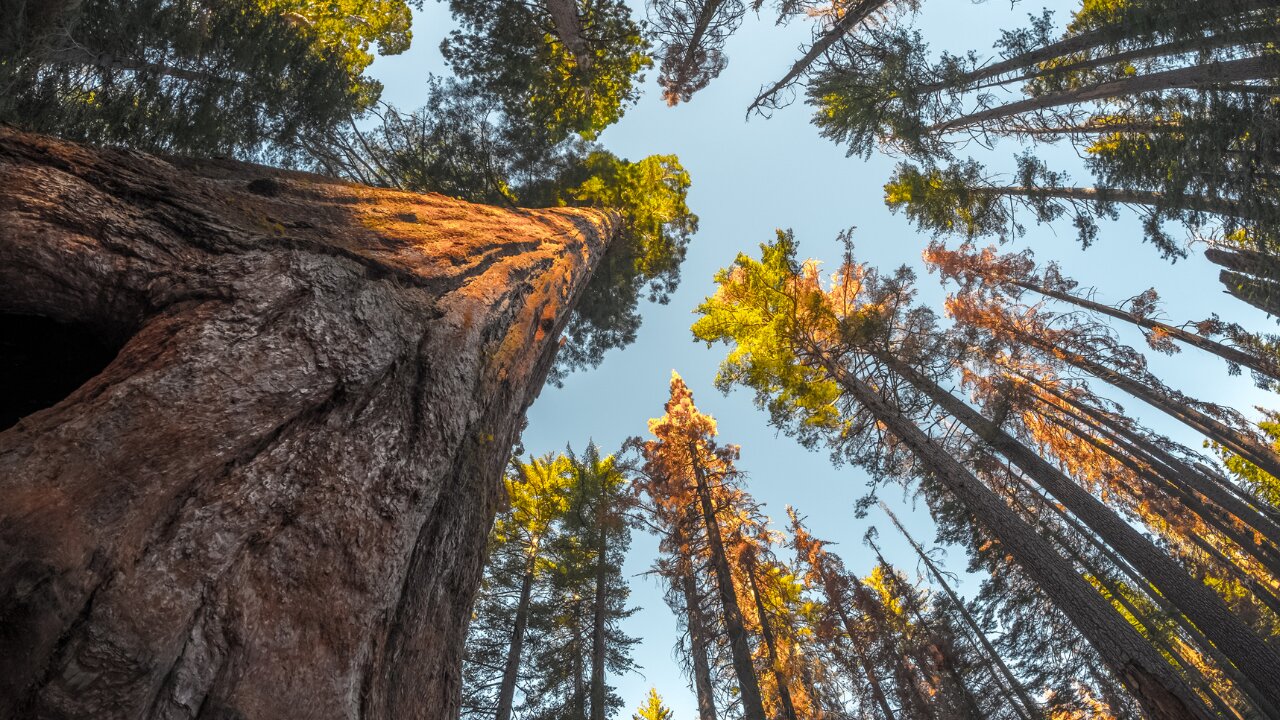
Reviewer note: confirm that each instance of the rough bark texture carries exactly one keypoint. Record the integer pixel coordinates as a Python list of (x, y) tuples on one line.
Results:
[(740, 649), (1146, 674), (273, 502)]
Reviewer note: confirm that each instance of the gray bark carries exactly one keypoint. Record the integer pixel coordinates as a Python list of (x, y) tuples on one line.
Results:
[(1137, 665)]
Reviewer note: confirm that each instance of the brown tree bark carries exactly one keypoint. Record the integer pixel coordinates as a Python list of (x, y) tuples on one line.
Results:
[(1198, 602), (697, 624), (1134, 663), (1193, 77), (1018, 697), (766, 634), (273, 502), (744, 669), (511, 672)]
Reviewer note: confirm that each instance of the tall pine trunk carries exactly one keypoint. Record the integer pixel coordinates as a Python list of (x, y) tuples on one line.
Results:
[(273, 501), (770, 644), (1025, 705), (599, 611), (511, 672), (1243, 444), (740, 650), (698, 629), (1131, 659), (1196, 77), (1202, 606), (1263, 365)]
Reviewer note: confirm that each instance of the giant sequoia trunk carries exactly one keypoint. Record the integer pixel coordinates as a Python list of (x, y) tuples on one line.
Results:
[(273, 501)]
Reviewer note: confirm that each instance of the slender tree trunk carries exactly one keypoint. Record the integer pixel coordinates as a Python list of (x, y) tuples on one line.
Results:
[(942, 657), (511, 673), (1134, 466), (1085, 41), (1219, 206), (868, 670), (599, 607), (697, 625), (1259, 292), (1249, 262), (568, 25), (1199, 43), (698, 647), (578, 704), (1202, 643), (749, 688), (1029, 707), (1132, 660), (1199, 76), (851, 19), (1202, 606), (766, 632), (1245, 509), (1244, 445), (1158, 639), (1264, 366), (274, 501)]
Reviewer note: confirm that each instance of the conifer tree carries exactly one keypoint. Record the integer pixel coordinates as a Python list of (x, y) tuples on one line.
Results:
[(686, 457), (557, 68), (246, 77), (653, 709), (1171, 104), (548, 619), (1012, 275), (838, 366)]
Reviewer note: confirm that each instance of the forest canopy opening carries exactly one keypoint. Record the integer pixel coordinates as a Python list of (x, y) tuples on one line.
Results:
[(43, 361)]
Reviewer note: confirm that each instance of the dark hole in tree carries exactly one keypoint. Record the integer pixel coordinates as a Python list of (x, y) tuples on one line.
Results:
[(42, 361)]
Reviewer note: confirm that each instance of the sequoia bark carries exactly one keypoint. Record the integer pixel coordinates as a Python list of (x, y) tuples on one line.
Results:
[(273, 502)]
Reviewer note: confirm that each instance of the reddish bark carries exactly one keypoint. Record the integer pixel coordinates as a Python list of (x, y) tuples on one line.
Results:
[(274, 501)]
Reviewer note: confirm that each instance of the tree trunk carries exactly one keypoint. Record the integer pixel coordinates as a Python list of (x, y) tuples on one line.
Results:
[(1246, 261), (1245, 445), (1082, 42), (1262, 365), (697, 625), (1194, 77), (1029, 707), (873, 677), (845, 25), (511, 673), (274, 501), (1259, 292), (1202, 606), (599, 606), (749, 688), (1135, 663), (771, 648)]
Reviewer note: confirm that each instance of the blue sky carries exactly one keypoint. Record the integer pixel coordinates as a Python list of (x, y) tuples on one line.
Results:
[(750, 177)]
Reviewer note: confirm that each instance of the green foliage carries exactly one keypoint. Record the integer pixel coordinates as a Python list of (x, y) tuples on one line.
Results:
[(758, 311), (245, 77), (1245, 473), (551, 81), (657, 224), (565, 526), (653, 709)]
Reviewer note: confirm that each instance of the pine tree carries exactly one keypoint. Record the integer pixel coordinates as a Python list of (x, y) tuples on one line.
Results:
[(653, 709), (247, 77), (686, 458), (557, 68), (831, 366), (538, 495), (1012, 275)]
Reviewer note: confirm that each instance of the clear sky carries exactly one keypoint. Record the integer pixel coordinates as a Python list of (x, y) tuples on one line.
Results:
[(750, 177)]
